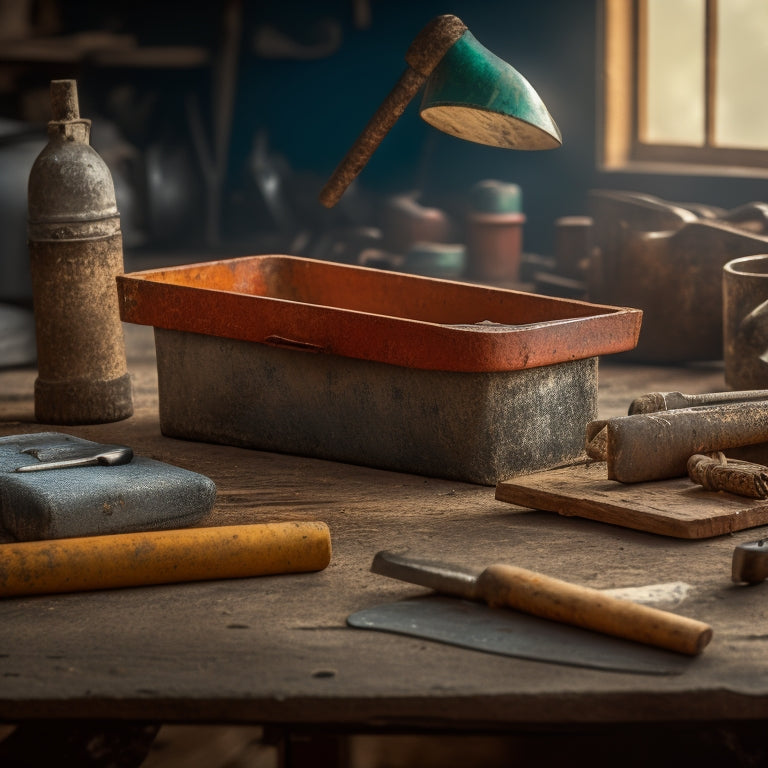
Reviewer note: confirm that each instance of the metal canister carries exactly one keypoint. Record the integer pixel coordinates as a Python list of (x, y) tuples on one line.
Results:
[(76, 252), (495, 231)]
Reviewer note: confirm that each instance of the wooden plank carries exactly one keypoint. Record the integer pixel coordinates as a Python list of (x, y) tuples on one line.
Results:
[(276, 650), (676, 507)]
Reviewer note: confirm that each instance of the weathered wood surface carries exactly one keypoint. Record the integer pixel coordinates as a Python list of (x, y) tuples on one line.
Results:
[(676, 507), (276, 649)]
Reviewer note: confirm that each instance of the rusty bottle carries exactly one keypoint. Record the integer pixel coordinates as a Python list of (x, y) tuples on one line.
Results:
[(76, 252)]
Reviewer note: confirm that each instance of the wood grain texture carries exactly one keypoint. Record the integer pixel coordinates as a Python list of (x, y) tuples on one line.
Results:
[(275, 649), (676, 507)]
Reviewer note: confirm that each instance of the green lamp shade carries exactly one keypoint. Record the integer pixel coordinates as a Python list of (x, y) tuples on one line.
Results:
[(474, 95)]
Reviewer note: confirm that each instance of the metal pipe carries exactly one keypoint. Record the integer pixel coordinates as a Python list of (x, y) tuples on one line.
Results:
[(655, 446)]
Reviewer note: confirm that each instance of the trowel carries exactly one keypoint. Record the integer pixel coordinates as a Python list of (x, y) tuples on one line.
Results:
[(554, 621)]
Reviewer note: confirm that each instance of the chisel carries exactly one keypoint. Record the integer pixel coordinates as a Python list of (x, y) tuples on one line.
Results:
[(512, 587)]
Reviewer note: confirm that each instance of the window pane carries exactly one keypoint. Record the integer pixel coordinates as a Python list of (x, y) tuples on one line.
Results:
[(741, 106), (674, 72)]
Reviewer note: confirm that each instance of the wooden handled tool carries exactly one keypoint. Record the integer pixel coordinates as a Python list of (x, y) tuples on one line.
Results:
[(530, 592), (162, 557)]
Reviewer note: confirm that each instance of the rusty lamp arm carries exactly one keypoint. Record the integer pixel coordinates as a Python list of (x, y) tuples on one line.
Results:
[(424, 54)]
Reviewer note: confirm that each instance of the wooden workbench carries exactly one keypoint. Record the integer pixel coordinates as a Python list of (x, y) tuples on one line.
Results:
[(276, 651)]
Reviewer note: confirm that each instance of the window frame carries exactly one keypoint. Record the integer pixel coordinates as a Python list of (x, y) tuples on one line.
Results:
[(621, 27)]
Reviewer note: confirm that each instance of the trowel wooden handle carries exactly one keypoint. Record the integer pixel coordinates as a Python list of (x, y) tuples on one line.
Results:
[(506, 585), (162, 557)]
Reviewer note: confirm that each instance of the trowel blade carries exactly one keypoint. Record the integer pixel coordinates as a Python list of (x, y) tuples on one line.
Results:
[(511, 633)]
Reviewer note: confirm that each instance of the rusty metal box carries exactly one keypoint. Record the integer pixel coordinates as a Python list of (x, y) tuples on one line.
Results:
[(353, 364)]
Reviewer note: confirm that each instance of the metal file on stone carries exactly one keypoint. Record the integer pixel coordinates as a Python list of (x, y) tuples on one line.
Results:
[(140, 494)]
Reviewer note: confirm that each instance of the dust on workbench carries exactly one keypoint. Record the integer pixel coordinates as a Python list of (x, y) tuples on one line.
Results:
[(619, 382)]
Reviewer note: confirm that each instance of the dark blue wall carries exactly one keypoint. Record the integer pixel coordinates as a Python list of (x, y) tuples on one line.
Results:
[(313, 110)]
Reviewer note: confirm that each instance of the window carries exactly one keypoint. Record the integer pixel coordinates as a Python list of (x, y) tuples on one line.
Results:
[(684, 85)]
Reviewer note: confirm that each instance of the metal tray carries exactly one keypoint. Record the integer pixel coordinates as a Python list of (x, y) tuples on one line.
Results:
[(369, 314)]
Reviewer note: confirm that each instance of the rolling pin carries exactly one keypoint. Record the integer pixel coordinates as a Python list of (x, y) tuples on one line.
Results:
[(507, 586), (162, 557)]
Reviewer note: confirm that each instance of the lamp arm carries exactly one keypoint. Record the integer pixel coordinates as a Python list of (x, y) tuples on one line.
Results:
[(423, 55), (366, 143)]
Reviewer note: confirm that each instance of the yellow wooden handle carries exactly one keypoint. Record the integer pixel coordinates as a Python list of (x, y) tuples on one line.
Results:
[(506, 585), (162, 557)]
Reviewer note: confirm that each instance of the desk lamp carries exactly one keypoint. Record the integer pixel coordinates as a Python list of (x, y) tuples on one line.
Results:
[(470, 93)]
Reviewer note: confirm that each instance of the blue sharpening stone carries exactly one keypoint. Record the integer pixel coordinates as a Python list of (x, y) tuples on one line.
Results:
[(142, 495)]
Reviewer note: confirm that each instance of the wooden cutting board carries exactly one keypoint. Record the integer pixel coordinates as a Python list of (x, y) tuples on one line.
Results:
[(676, 507)]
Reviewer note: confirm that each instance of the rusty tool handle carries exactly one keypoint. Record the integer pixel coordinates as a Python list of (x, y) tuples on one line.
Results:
[(423, 55), (718, 473), (372, 135), (550, 598), (162, 557), (653, 402)]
